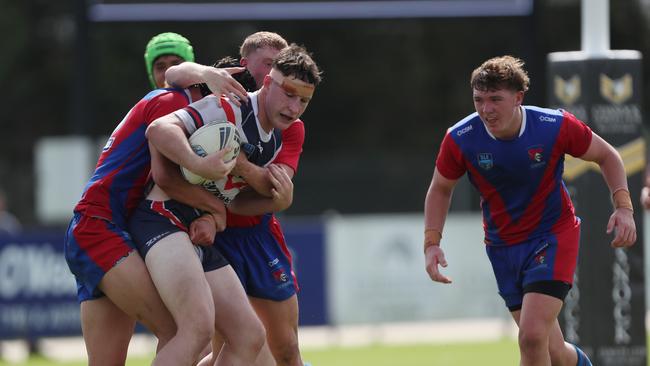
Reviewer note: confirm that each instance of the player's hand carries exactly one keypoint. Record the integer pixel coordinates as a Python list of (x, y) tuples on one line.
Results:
[(645, 197), (213, 167), (282, 191), (220, 81), (433, 257), (240, 164), (622, 224), (203, 230)]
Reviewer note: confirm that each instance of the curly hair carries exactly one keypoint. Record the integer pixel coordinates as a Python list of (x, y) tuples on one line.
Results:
[(505, 72)]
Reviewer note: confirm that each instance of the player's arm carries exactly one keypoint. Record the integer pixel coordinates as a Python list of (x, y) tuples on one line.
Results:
[(436, 206), (168, 135), (613, 170), (167, 176), (219, 80), (258, 178), (251, 203)]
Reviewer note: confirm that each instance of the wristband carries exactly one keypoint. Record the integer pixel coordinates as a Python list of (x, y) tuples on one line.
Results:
[(432, 241), (621, 199)]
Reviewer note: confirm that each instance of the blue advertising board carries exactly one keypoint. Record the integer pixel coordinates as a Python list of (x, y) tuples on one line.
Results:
[(37, 291), (306, 240)]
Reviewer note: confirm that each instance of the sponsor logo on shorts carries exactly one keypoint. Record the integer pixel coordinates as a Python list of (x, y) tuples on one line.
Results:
[(274, 262), (155, 239), (280, 275)]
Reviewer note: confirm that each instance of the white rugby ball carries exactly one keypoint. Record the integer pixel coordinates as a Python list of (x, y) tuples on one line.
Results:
[(212, 137)]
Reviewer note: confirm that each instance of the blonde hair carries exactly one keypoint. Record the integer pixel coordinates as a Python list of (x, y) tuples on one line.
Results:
[(260, 40)]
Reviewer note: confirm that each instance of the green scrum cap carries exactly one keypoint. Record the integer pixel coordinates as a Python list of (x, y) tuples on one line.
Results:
[(166, 44)]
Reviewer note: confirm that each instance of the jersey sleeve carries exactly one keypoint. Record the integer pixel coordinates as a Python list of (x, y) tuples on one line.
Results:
[(201, 112), (576, 135), (163, 105), (292, 141), (450, 162)]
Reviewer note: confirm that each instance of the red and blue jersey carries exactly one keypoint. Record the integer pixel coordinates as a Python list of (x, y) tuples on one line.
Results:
[(520, 182), (118, 183)]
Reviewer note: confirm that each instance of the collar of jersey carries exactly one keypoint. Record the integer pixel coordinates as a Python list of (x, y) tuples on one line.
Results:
[(264, 136), (522, 128)]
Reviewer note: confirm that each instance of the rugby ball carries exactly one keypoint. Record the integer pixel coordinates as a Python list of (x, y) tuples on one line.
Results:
[(210, 138)]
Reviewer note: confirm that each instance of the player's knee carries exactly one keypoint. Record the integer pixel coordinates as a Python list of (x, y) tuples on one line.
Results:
[(203, 331), (287, 352), (197, 325), (163, 329), (257, 337), (531, 339)]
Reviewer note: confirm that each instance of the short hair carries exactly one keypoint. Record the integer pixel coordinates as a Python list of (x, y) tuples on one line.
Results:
[(260, 40), (504, 72), (295, 61), (244, 78)]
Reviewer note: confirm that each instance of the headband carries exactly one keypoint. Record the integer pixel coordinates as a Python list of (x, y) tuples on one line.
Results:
[(292, 85)]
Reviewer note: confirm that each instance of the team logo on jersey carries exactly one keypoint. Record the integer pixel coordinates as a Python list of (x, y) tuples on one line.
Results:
[(485, 161), (536, 153), (567, 91), (536, 156), (616, 91)]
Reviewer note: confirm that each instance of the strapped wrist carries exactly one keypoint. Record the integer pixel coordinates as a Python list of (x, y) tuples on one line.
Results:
[(432, 237), (621, 199)]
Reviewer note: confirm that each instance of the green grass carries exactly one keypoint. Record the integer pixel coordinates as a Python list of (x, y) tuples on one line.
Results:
[(486, 354)]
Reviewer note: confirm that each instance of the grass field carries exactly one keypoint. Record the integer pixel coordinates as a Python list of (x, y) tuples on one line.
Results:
[(501, 353), (484, 353)]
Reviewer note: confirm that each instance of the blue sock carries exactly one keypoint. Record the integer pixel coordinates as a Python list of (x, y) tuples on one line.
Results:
[(583, 360)]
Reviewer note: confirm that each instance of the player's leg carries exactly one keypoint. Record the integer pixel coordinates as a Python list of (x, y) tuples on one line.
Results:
[(264, 358), (561, 352), (280, 319), (235, 320), (536, 320), (106, 330), (103, 260), (178, 276), (547, 274)]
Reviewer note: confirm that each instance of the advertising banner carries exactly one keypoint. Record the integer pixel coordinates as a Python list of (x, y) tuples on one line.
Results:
[(375, 271), (605, 310), (37, 291)]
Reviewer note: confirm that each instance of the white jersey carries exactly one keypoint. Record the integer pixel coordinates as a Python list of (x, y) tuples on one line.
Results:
[(263, 146)]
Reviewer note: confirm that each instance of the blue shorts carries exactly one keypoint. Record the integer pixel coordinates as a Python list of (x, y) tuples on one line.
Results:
[(92, 246), (261, 259), (546, 262), (154, 220)]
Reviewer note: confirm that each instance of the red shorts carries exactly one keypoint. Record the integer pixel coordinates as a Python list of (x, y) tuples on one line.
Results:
[(92, 247)]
